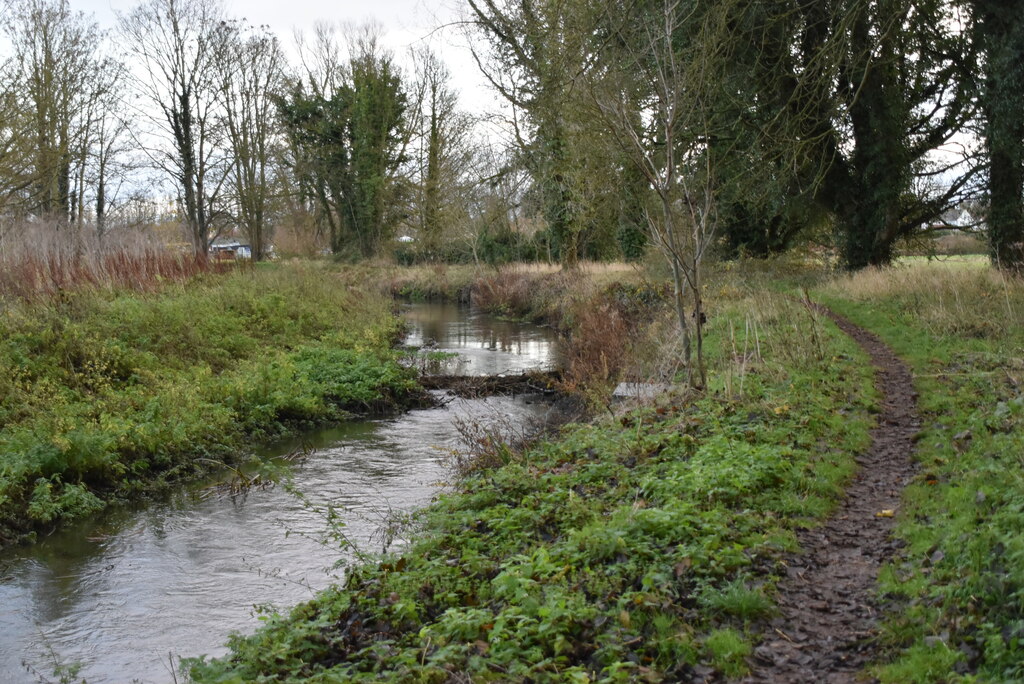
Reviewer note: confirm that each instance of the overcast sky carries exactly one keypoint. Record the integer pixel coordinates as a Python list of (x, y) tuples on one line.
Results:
[(415, 17), (407, 23)]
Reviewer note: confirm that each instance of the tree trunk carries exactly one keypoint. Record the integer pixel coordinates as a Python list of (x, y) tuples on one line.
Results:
[(999, 31)]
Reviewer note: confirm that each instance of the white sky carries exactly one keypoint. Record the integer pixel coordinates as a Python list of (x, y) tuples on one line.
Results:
[(406, 23)]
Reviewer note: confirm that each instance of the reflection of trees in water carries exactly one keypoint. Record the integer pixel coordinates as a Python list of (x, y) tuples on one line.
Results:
[(435, 321), (453, 326), (502, 339)]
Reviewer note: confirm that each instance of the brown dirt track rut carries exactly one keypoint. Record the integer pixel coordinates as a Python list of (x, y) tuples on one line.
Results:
[(828, 617)]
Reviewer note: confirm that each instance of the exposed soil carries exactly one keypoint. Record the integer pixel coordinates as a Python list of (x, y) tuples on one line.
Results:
[(828, 619)]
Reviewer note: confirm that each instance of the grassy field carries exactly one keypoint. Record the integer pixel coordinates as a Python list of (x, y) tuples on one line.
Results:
[(107, 392), (642, 546), (958, 593)]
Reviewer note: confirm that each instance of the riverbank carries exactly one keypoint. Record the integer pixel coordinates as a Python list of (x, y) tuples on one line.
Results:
[(108, 394), (642, 546)]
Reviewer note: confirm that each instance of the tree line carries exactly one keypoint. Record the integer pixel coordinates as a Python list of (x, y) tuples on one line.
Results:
[(181, 95), (865, 120), (738, 126)]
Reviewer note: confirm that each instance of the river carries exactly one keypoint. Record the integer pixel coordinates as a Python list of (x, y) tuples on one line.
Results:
[(121, 596)]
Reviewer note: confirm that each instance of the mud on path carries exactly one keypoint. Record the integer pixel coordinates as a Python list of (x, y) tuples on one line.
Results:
[(828, 620)]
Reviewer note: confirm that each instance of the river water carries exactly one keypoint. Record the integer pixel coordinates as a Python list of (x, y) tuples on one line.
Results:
[(123, 595)]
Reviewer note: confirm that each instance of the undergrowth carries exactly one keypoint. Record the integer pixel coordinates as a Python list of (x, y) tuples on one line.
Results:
[(957, 593), (641, 547), (106, 393)]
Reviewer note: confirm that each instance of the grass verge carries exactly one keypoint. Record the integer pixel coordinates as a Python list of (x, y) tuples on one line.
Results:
[(958, 590), (104, 394), (640, 547)]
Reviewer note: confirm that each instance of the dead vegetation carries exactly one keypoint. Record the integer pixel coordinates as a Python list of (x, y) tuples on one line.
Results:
[(39, 260)]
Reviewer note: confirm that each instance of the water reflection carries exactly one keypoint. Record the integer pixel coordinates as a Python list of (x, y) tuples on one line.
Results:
[(485, 345)]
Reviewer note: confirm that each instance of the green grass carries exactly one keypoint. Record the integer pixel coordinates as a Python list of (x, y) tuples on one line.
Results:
[(632, 548), (958, 591), (728, 650), (106, 394)]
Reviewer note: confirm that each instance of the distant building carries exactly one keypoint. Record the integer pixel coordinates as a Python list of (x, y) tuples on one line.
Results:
[(230, 250)]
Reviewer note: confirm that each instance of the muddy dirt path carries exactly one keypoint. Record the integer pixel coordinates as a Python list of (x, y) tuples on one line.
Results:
[(828, 618)]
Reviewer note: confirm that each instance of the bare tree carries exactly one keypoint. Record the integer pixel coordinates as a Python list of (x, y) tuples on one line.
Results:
[(251, 73), (56, 55), (656, 96), (173, 47), (322, 62), (111, 151), (443, 156), (102, 159), (15, 144)]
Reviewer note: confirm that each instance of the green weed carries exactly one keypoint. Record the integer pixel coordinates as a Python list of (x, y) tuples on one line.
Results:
[(106, 393)]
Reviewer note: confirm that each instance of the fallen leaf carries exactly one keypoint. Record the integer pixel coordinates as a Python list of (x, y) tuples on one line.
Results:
[(885, 513)]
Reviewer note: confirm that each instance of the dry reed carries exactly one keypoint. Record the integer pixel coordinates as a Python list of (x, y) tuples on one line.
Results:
[(39, 260)]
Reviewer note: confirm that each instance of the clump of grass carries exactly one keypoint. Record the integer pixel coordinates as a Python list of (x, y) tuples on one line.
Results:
[(737, 599), (728, 650)]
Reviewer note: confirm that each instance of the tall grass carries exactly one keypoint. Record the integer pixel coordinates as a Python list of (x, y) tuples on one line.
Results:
[(960, 299), (38, 259)]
